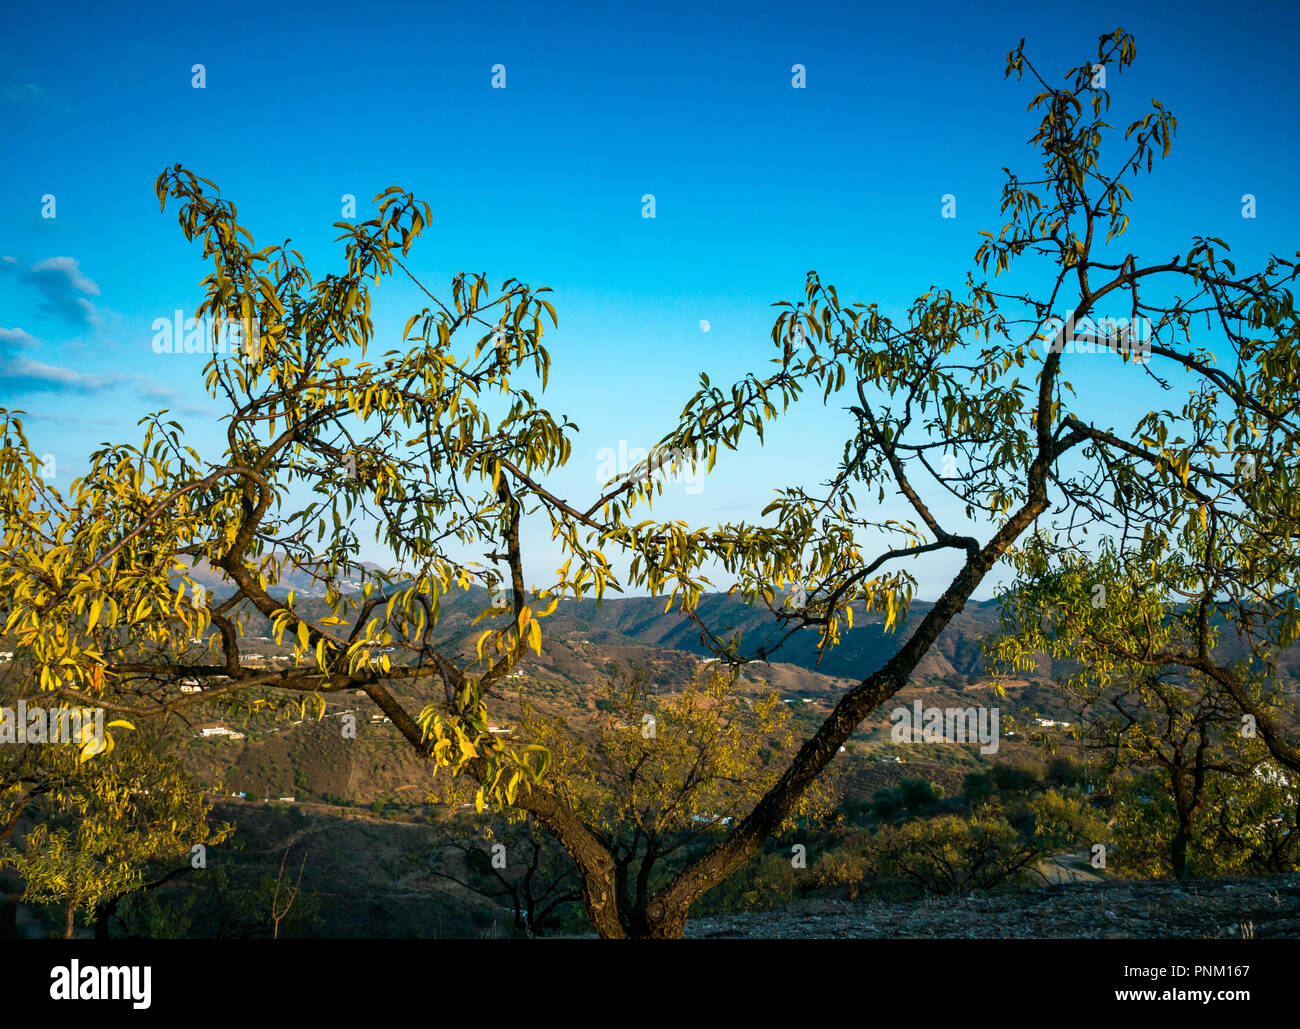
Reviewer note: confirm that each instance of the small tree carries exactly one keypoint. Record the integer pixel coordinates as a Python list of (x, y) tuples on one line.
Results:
[(282, 901), (1169, 730), (947, 854), (515, 862), (108, 829), (1163, 727), (660, 776)]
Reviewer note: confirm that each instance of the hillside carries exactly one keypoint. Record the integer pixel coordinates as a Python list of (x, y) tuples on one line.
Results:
[(628, 621)]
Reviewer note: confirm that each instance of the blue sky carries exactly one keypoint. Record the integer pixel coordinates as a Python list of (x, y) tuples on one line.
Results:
[(755, 182)]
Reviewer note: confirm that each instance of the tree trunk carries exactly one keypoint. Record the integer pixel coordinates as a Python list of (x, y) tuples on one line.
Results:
[(658, 921), (1178, 852)]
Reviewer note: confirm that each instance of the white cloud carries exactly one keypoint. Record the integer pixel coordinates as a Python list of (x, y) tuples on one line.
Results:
[(69, 268), (63, 288), (16, 338)]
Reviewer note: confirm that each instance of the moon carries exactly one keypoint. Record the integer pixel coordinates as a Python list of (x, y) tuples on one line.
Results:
[(704, 325)]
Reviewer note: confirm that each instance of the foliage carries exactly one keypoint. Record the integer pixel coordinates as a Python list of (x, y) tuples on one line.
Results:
[(1012, 778), (104, 827), (950, 854), (512, 861), (910, 796), (225, 901), (1062, 820), (658, 775), (1247, 826)]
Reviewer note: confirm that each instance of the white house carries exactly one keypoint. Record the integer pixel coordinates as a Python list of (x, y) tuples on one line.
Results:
[(214, 730)]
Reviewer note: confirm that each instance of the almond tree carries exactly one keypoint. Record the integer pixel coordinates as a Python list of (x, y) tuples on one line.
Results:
[(1172, 656), (106, 826), (441, 445)]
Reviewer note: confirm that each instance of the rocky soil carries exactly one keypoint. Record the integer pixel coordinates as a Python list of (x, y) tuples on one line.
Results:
[(1267, 907)]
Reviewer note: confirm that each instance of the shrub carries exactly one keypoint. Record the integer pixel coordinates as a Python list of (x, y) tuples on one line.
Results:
[(1064, 771), (977, 789), (948, 854), (846, 868), (918, 794), (1017, 778), (1062, 820)]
